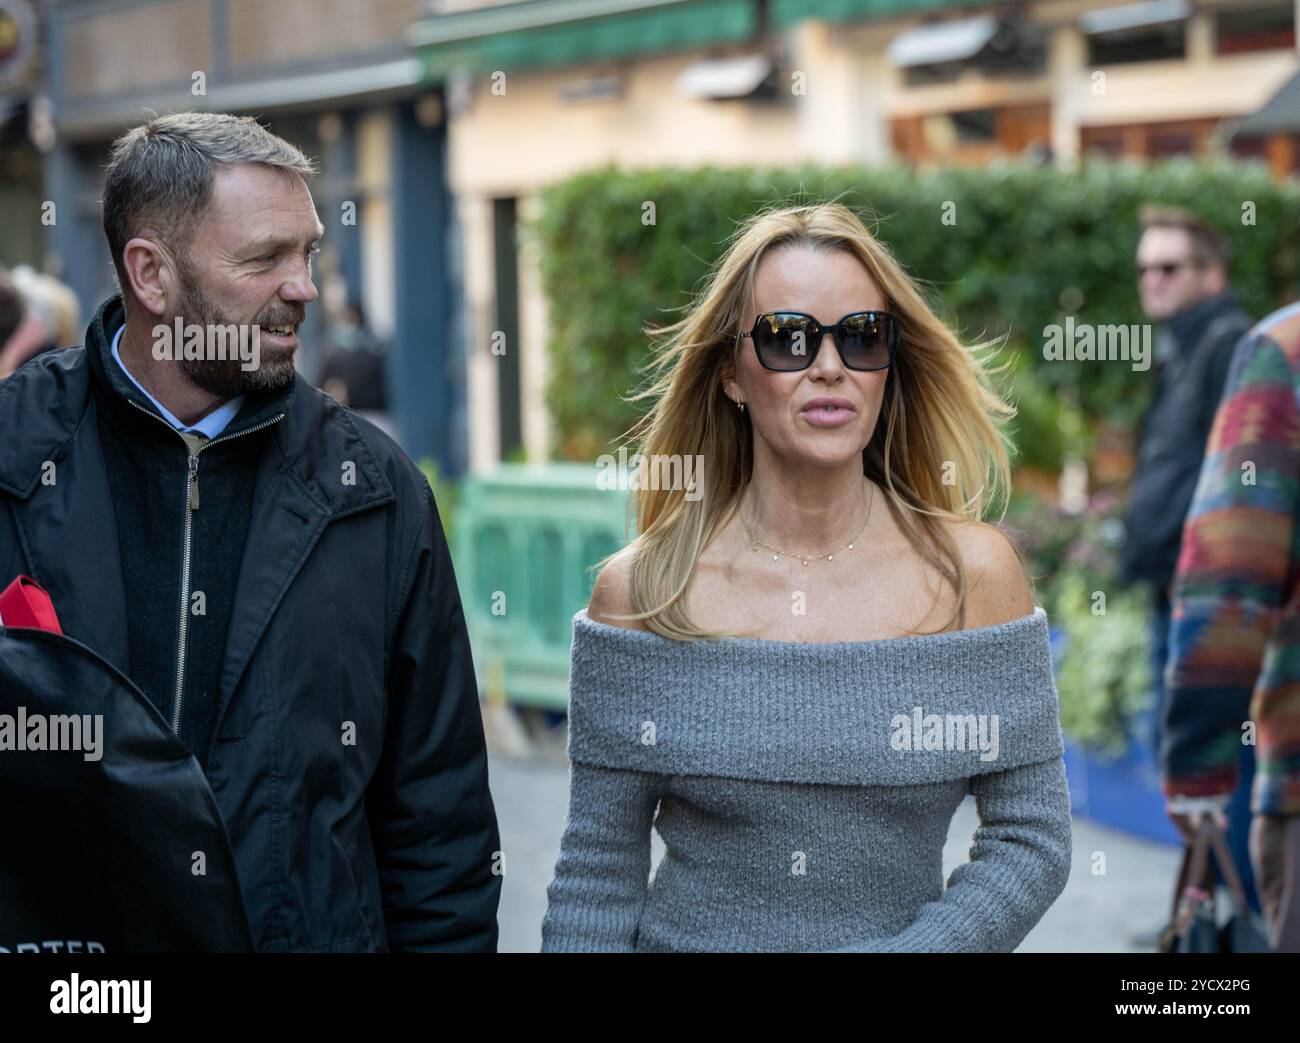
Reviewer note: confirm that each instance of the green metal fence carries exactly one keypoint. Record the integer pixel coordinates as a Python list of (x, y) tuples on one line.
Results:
[(525, 538)]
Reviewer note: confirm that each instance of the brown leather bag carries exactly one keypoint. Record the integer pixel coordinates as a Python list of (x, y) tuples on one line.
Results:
[(1193, 923)]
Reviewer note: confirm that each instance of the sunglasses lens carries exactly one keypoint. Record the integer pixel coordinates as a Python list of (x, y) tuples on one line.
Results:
[(784, 340), (867, 337)]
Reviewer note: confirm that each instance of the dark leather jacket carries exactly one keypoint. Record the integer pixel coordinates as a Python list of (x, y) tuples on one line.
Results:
[(1194, 351)]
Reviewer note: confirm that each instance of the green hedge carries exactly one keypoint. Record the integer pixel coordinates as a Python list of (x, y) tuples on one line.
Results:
[(1028, 244)]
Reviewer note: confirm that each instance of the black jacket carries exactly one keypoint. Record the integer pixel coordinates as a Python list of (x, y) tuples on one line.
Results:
[(1197, 345), (346, 624), (160, 507)]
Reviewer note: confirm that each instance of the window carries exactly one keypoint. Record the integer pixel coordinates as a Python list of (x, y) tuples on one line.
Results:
[(974, 125), (1150, 140), (1103, 142), (972, 136), (1268, 27), (1179, 140), (1249, 148), (1150, 43), (924, 75), (941, 52)]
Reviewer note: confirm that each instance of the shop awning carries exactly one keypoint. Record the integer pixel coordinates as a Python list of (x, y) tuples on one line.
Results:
[(942, 42), (542, 33), (783, 13), (725, 77), (547, 33), (1134, 16), (1279, 115)]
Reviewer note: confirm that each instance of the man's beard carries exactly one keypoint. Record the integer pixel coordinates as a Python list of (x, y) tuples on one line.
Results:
[(228, 377)]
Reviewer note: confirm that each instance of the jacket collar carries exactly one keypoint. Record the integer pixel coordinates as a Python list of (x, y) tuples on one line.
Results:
[(44, 404), (1188, 325), (114, 391)]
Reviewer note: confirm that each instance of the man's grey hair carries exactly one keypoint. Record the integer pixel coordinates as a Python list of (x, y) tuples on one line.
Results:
[(160, 174)]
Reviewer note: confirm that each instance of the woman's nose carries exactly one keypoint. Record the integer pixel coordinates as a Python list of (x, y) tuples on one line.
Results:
[(827, 360)]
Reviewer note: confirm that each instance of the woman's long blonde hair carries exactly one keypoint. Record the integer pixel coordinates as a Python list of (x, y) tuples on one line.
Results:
[(940, 453)]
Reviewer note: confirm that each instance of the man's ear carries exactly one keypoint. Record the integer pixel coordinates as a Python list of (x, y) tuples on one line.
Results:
[(151, 273)]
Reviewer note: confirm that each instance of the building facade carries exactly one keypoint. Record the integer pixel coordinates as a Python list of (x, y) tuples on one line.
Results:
[(437, 124), (339, 81), (541, 90)]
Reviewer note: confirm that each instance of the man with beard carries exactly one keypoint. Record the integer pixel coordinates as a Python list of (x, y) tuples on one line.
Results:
[(266, 566)]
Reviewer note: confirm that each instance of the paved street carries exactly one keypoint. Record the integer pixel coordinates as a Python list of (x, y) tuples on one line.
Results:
[(1096, 912)]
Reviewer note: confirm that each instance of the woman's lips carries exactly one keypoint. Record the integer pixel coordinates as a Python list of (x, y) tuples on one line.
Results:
[(823, 416)]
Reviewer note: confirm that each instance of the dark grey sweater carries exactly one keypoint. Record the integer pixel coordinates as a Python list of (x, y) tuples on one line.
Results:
[(804, 792)]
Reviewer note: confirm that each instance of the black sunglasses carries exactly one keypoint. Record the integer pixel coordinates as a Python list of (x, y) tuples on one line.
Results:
[(789, 340), (1166, 268)]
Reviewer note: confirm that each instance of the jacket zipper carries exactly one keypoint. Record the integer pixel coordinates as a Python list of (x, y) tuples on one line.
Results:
[(191, 505)]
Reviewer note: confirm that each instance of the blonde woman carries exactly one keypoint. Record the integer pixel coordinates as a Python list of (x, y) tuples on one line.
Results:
[(799, 669)]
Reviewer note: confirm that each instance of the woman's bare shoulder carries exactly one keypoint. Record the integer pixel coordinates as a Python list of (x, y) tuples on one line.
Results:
[(611, 596), (997, 589)]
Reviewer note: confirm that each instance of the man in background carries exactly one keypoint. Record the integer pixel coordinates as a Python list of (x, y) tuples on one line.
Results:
[(1183, 285)]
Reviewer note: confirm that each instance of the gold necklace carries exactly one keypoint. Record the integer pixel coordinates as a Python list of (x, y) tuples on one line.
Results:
[(755, 542)]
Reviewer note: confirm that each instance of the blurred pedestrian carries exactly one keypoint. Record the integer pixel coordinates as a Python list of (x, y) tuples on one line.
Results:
[(48, 318), (54, 302), (1182, 270), (1234, 660), (13, 310), (1183, 285), (353, 372)]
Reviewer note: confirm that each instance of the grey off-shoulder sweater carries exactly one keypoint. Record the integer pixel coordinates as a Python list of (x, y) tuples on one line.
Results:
[(803, 792)]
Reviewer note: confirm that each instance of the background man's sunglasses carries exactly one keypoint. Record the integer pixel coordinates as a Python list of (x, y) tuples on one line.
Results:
[(1167, 269), (789, 340)]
